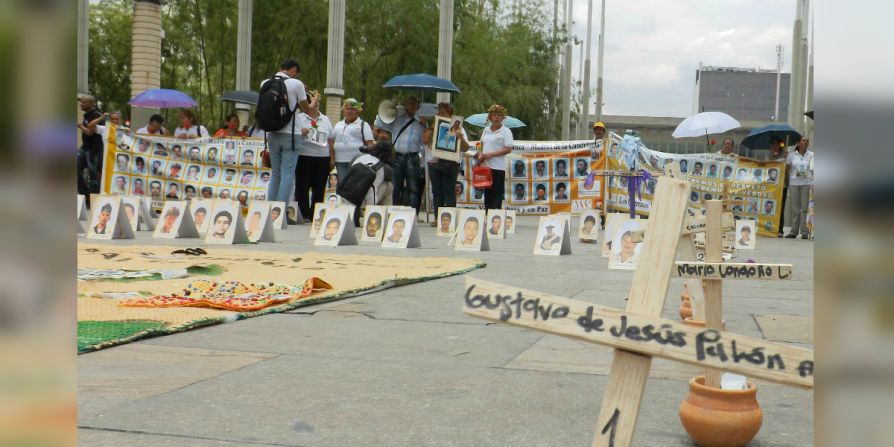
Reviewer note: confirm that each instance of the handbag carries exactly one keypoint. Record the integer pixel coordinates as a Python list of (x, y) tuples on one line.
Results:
[(357, 182), (482, 176)]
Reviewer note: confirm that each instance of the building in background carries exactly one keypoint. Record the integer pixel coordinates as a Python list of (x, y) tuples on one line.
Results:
[(655, 132), (746, 94)]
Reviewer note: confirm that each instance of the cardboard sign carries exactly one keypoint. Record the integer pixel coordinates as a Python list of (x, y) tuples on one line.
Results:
[(496, 224), (553, 236), (320, 210), (175, 221), (470, 232), (201, 210), (373, 223), (746, 234), (278, 215), (446, 221), (613, 222), (227, 225), (401, 231), (82, 207), (732, 270), (293, 214), (642, 334), (626, 245), (337, 228), (108, 220), (510, 222), (588, 226), (259, 223)]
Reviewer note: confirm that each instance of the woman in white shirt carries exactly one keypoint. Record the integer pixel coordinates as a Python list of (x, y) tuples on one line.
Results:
[(348, 136), (313, 157), (800, 178), (189, 127), (496, 142)]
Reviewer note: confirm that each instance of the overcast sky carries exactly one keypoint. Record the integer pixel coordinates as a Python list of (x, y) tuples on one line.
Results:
[(653, 47)]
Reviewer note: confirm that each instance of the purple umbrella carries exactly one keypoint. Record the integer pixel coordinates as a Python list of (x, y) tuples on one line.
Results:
[(162, 98)]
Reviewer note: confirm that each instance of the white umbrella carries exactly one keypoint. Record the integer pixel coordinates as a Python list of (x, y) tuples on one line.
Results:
[(705, 123)]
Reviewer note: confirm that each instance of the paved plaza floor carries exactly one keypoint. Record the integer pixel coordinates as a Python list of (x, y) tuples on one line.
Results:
[(406, 367)]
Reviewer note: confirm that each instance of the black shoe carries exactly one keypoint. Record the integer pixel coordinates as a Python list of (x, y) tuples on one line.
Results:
[(781, 235), (791, 236), (804, 236)]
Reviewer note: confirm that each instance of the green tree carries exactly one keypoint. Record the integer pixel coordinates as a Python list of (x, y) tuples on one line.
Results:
[(111, 22)]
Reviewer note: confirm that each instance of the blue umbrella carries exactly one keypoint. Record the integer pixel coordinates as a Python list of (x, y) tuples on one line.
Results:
[(480, 120), (760, 138), (162, 98), (422, 81)]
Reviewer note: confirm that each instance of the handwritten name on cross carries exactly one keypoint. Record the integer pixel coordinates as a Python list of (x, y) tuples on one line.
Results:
[(638, 333)]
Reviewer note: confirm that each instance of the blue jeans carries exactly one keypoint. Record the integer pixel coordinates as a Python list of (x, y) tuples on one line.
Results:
[(283, 161)]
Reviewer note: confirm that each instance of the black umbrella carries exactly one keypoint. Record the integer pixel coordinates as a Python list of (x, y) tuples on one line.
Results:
[(243, 96), (760, 138), (809, 114)]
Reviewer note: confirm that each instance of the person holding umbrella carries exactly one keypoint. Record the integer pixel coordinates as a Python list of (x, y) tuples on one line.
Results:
[(496, 142), (800, 179)]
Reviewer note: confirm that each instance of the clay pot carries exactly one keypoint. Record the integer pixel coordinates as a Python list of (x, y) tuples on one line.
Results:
[(720, 418), (699, 323), (685, 309)]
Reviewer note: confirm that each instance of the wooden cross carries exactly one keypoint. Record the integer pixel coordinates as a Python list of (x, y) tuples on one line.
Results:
[(608, 173), (638, 333)]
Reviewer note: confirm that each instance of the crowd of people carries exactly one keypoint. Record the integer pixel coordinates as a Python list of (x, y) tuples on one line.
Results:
[(309, 153)]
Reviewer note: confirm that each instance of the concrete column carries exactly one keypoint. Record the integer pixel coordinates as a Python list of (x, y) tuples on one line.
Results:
[(243, 57), (599, 64), (334, 90), (83, 44), (445, 46), (586, 132), (566, 74), (146, 56)]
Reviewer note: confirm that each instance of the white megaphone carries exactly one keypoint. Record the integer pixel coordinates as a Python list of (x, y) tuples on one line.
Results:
[(387, 111)]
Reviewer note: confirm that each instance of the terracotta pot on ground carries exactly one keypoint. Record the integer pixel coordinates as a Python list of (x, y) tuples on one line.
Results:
[(720, 418), (685, 309), (699, 323)]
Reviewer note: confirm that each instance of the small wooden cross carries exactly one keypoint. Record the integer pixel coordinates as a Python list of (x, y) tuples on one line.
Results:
[(638, 333)]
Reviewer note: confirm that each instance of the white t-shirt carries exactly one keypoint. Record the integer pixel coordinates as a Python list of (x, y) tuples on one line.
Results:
[(348, 139), (492, 141), (193, 132), (316, 142), (801, 171), (296, 93), (145, 131)]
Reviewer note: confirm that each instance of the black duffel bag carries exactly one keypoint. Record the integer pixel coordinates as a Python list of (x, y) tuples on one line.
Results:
[(357, 182)]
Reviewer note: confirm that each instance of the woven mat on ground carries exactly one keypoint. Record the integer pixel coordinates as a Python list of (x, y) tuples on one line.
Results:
[(349, 275)]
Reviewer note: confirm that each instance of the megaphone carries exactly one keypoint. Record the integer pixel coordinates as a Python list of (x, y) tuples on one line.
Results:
[(387, 111)]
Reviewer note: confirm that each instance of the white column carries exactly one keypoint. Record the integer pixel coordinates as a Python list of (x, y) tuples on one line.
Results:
[(566, 74), (334, 90), (146, 55), (445, 46), (83, 45), (243, 56), (585, 129), (599, 64)]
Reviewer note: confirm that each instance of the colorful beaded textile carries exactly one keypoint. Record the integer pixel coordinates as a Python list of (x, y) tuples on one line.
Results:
[(232, 295)]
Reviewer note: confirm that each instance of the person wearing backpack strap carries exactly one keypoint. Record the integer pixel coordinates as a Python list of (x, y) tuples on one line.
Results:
[(278, 100)]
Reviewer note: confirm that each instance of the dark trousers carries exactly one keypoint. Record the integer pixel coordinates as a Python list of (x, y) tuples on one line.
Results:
[(89, 172), (310, 175), (782, 209), (443, 183), (493, 197), (406, 180)]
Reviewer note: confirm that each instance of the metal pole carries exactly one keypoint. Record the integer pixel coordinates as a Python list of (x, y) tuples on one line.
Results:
[(586, 62), (599, 64), (335, 60), (566, 76), (580, 79), (779, 51)]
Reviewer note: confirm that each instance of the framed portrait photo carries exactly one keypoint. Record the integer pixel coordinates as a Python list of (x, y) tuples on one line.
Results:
[(446, 138)]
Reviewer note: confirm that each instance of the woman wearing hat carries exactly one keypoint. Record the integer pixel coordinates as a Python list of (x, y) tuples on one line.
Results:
[(496, 142)]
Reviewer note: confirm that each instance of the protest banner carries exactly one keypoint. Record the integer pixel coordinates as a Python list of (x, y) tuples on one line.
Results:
[(164, 168), (542, 178), (754, 186)]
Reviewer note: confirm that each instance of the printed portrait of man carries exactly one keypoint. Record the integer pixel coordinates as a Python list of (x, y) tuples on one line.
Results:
[(173, 191), (582, 168), (773, 175), (561, 192), (275, 212), (169, 219), (373, 224), (211, 173), (697, 168), (742, 174), (198, 216), (397, 230), (120, 185), (589, 225), (192, 173), (332, 227), (175, 171), (727, 172), (745, 236), (211, 155), (540, 190), (176, 152), (225, 193), (712, 170), (496, 224), (550, 238), (470, 231), (155, 189), (248, 157), (195, 154), (519, 169), (509, 222), (769, 207), (138, 187), (222, 222), (207, 192), (758, 175), (121, 162), (540, 169), (446, 220), (139, 165), (189, 191), (684, 165), (102, 222), (560, 168), (520, 192)]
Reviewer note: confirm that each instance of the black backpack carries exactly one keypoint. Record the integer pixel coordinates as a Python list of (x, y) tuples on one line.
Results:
[(357, 181), (273, 112)]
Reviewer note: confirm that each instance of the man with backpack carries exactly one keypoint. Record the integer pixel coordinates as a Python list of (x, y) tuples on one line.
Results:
[(279, 98)]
